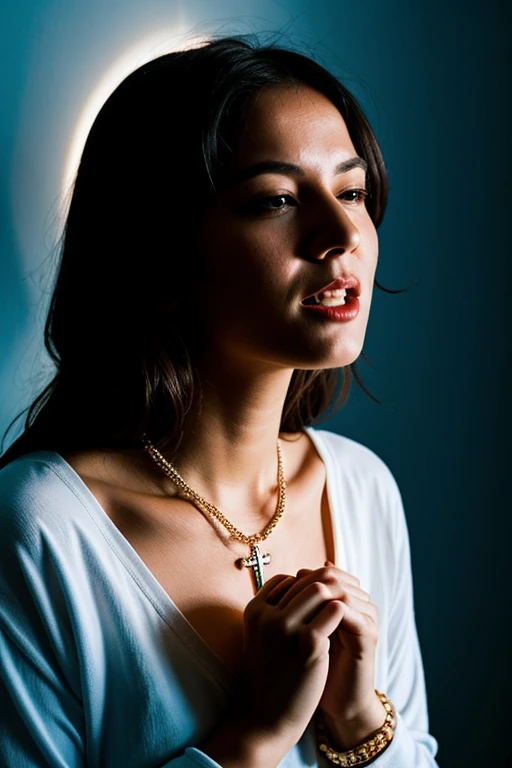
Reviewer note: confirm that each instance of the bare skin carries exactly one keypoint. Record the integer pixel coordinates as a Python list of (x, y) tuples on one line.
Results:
[(267, 242), (180, 546)]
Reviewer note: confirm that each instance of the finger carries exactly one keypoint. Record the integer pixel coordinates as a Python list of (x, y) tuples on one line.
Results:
[(364, 607), (280, 589), (332, 578), (303, 583), (356, 623), (305, 597), (304, 606), (302, 602), (269, 585), (350, 589), (326, 573), (328, 618)]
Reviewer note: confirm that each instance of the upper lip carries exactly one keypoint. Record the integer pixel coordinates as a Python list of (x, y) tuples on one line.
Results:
[(350, 283)]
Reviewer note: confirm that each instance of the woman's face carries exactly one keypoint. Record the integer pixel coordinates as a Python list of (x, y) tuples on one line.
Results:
[(289, 221)]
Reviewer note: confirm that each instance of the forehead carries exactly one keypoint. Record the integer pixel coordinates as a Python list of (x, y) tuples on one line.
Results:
[(295, 124)]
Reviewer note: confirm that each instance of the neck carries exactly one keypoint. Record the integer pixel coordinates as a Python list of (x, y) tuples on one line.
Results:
[(229, 450)]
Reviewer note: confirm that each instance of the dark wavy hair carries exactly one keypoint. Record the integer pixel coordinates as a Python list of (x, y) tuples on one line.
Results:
[(156, 154)]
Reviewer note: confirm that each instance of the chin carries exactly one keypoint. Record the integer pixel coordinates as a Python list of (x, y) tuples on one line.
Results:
[(344, 354), (343, 362), (328, 361)]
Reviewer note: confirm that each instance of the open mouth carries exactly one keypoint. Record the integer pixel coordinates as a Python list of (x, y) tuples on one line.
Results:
[(331, 298)]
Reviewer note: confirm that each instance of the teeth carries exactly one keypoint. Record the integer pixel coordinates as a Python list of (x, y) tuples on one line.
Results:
[(336, 292), (332, 302), (332, 298)]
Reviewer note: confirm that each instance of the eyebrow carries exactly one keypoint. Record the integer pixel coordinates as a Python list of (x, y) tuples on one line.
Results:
[(290, 169)]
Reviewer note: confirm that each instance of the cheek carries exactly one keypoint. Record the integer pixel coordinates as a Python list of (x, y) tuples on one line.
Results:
[(223, 262), (254, 260)]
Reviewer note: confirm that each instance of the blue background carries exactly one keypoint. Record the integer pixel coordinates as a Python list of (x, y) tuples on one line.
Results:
[(433, 79)]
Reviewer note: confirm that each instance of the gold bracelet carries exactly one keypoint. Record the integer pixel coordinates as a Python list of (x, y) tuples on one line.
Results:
[(363, 753)]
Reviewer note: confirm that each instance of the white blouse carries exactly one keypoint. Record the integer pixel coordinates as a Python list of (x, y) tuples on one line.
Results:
[(98, 666)]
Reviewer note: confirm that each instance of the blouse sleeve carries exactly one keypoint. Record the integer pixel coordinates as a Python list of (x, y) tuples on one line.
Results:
[(42, 722), (412, 745)]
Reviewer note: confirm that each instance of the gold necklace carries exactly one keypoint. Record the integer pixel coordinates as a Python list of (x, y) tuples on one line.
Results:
[(256, 559)]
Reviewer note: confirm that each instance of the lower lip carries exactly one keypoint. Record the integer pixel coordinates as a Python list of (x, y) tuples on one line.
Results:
[(341, 314)]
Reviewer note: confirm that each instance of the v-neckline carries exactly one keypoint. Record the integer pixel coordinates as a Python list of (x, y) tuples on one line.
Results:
[(159, 597)]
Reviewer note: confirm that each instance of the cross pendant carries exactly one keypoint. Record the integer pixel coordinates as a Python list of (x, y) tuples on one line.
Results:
[(256, 561)]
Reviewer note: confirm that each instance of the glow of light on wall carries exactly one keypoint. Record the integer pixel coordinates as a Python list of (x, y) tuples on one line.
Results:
[(158, 44)]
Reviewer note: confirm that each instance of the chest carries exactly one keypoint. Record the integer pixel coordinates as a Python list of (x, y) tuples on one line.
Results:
[(195, 560)]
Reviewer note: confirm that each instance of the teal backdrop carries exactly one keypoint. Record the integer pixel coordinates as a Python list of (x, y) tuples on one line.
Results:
[(434, 81)]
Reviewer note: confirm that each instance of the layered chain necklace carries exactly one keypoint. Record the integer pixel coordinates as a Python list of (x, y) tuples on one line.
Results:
[(256, 559)]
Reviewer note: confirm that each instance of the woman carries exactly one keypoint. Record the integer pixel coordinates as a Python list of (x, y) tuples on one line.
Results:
[(164, 601)]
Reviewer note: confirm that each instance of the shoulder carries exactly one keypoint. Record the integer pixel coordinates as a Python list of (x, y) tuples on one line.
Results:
[(52, 543), (362, 479), (37, 477), (38, 491), (353, 458)]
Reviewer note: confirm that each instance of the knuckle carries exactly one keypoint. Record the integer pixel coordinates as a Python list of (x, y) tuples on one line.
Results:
[(320, 589), (287, 625), (329, 574), (372, 630)]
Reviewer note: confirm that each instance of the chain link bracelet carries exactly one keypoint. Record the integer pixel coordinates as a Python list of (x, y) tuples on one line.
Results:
[(364, 753)]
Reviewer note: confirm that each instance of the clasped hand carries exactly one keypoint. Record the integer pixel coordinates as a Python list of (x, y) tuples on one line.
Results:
[(309, 642), (349, 691)]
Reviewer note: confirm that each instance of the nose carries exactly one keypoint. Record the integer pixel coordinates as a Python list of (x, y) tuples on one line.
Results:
[(333, 231)]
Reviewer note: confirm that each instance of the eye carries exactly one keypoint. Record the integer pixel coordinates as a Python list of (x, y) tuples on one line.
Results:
[(354, 195), (274, 203)]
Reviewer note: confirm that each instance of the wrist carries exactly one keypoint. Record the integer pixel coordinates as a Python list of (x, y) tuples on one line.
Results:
[(234, 743), (347, 733)]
